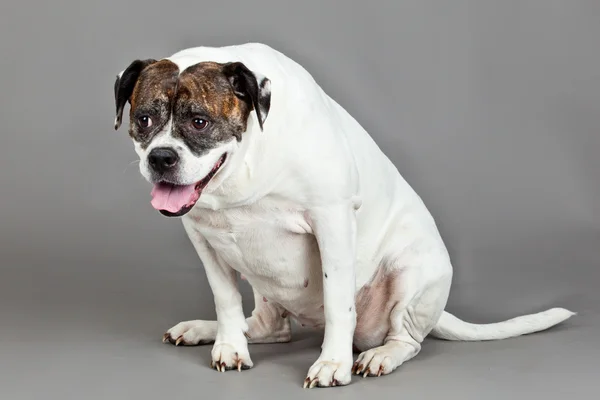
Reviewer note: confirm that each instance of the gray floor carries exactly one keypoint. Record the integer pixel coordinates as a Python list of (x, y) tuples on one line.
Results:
[(77, 328), (490, 109)]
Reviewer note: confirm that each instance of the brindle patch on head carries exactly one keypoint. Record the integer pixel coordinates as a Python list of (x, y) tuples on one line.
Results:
[(153, 97), (205, 92), (202, 91)]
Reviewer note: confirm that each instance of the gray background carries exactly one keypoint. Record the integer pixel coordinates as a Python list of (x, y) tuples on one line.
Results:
[(490, 109)]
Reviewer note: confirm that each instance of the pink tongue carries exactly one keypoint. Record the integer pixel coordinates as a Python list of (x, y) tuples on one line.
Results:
[(173, 198)]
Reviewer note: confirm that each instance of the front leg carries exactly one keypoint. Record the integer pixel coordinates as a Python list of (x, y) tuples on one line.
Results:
[(230, 350), (335, 231)]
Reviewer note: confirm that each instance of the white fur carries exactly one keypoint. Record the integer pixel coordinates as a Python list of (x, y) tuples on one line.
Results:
[(311, 195)]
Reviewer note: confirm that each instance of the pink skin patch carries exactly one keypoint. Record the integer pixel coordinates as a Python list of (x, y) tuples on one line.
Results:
[(174, 198), (374, 304)]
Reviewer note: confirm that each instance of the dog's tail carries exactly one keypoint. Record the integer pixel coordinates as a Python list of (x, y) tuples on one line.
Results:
[(451, 328)]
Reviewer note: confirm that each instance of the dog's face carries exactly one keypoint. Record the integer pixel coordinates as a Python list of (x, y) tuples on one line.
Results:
[(185, 125)]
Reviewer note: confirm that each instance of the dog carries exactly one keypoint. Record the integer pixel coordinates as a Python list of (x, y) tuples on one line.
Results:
[(274, 180)]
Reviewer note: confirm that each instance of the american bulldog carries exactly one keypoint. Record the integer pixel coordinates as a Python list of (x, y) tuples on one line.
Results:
[(274, 180)]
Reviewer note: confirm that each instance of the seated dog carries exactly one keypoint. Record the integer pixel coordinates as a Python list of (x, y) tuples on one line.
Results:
[(274, 180)]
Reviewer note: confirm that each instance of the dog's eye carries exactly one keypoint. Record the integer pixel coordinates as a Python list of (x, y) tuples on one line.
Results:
[(145, 122), (199, 123)]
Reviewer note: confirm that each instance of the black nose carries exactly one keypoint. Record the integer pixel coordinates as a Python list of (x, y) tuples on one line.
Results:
[(162, 159)]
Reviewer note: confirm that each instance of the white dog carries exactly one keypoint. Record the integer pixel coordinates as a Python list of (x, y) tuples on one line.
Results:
[(276, 181)]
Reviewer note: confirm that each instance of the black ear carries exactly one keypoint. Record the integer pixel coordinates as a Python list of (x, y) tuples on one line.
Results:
[(250, 86), (125, 84)]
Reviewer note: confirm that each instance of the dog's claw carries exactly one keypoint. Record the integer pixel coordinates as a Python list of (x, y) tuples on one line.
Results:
[(313, 383), (179, 340), (166, 337), (223, 366), (239, 365), (359, 369), (334, 382), (366, 372), (354, 366), (380, 370), (306, 382)]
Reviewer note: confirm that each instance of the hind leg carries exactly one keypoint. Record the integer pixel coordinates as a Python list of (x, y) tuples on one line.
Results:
[(397, 348), (409, 324), (268, 324)]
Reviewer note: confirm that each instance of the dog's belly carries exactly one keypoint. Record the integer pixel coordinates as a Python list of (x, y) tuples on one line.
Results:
[(277, 254), (274, 251)]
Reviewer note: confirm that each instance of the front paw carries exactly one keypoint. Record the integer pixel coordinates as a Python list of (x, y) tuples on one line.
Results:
[(226, 357), (191, 333), (329, 372)]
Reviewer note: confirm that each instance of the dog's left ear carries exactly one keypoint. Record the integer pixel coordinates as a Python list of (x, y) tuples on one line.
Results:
[(124, 85), (251, 87)]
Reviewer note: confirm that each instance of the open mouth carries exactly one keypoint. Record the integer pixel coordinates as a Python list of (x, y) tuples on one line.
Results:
[(176, 200)]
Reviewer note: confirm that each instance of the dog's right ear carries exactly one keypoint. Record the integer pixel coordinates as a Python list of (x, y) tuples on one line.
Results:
[(124, 85)]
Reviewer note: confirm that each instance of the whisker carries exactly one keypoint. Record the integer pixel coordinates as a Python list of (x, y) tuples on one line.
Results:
[(130, 164)]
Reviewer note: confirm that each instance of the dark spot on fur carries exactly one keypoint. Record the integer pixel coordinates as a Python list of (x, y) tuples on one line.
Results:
[(325, 275), (264, 99), (265, 299), (285, 314), (306, 282)]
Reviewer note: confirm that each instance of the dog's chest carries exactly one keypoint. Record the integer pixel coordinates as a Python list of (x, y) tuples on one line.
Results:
[(270, 243)]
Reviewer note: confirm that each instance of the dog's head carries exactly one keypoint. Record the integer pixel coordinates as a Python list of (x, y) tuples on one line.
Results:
[(187, 124)]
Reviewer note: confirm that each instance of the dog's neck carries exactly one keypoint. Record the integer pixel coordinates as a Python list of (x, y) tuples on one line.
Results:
[(251, 171)]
